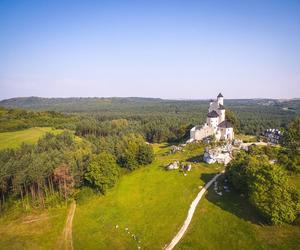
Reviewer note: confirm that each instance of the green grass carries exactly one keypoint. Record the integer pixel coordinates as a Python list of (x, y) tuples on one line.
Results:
[(151, 202), (246, 138), (228, 222), (30, 136), (35, 230), (295, 181)]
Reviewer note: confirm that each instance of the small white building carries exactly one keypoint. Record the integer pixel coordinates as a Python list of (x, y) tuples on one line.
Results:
[(216, 123)]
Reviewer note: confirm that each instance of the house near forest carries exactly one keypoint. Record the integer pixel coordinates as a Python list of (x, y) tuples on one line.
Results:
[(272, 135), (216, 123)]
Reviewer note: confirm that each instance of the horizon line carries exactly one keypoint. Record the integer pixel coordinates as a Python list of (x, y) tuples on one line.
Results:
[(143, 97)]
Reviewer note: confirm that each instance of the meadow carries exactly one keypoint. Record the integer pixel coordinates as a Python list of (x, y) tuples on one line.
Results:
[(146, 209), (229, 222), (151, 202), (29, 136), (37, 229)]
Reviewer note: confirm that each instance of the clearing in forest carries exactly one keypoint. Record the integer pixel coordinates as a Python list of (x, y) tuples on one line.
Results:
[(32, 135)]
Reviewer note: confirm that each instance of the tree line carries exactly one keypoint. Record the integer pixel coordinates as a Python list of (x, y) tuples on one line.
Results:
[(17, 119), (47, 173), (163, 118)]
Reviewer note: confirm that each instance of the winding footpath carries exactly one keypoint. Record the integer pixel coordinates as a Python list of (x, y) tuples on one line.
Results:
[(191, 211)]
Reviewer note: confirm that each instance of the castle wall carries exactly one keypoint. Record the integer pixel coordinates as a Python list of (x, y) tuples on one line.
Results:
[(213, 122), (221, 115), (226, 134), (213, 106), (200, 134)]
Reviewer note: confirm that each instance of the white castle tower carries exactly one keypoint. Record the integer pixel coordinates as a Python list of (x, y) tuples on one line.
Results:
[(216, 123)]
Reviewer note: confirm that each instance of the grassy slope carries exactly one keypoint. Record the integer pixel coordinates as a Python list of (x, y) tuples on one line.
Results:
[(228, 222), (15, 139), (151, 202), (37, 230)]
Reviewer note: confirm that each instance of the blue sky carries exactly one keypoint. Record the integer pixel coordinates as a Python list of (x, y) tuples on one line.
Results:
[(168, 49)]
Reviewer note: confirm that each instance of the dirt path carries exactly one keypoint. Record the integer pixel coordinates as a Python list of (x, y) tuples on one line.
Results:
[(191, 211), (66, 241)]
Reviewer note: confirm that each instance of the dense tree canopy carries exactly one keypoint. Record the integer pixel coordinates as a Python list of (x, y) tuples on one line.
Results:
[(291, 137), (102, 172), (266, 186), (57, 164)]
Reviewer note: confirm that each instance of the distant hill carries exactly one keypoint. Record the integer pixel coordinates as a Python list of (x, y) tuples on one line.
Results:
[(74, 103), (255, 115), (92, 104)]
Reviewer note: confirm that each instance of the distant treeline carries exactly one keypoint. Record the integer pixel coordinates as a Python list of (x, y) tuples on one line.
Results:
[(17, 119), (157, 117)]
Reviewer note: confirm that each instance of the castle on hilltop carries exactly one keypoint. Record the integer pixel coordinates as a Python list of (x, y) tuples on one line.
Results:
[(216, 123)]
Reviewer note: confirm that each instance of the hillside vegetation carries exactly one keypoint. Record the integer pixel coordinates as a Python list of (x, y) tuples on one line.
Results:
[(255, 115), (17, 119)]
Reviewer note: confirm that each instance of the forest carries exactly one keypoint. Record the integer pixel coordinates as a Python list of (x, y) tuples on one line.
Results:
[(160, 119), (48, 172)]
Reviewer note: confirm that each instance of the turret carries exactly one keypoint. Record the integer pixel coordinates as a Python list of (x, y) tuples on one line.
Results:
[(220, 99)]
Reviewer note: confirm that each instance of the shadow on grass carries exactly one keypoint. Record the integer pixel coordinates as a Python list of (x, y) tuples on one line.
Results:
[(232, 201), (167, 145), (195, 159), (206, 177)]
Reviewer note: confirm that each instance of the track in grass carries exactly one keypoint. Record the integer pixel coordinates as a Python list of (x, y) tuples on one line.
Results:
[(66, 241), (191, 211)]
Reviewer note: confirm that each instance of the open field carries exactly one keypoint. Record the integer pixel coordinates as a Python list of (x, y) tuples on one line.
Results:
[(37, 230), (16, 138), (151, 202), (228, 222)]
